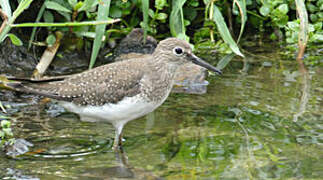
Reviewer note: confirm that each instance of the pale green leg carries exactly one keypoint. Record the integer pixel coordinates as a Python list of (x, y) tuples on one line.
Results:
[(117, 144)]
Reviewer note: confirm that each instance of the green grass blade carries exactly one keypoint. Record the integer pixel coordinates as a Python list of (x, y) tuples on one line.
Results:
[(103, 13), (84, 23), (224, 31), (88, 4), (225, 61), (39, 15), (14, 39), (5, 6), (145, 8), (24, 4), (57, 7), (176, 19), (243, 14), (21, 7)]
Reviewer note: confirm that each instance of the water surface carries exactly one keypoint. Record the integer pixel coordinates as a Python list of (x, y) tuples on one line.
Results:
[(262, 119)]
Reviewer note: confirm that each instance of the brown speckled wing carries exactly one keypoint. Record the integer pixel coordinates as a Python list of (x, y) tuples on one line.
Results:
[(106, 84)]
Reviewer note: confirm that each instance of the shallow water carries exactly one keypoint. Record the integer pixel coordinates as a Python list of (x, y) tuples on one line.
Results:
[(262, 119)]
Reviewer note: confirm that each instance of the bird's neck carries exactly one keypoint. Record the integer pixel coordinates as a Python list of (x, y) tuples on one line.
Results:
[(162, 64), (161, 75)]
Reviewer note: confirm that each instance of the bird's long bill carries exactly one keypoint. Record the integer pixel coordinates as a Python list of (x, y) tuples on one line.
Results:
[(200, 62)]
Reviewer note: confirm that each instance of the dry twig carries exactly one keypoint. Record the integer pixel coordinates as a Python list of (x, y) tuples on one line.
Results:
[(5, 20)]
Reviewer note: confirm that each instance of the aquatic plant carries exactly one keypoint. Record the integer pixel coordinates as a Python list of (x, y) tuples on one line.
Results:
[(6, 135)]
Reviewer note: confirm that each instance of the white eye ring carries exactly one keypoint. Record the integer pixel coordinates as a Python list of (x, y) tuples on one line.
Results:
[(178, 51)]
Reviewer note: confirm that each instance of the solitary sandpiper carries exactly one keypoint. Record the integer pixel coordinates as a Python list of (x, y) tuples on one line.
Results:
[(118, 92)]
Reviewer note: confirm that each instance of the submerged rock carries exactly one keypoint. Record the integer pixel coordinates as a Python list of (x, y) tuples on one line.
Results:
[(191, 79), (134, 43), (19, 147), (16, 60), (69, 63), (18, 174)]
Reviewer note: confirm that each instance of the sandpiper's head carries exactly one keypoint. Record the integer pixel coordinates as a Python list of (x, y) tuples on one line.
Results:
[(179, 52)]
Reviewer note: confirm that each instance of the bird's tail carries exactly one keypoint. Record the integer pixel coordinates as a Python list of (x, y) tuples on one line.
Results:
[(26, 85)]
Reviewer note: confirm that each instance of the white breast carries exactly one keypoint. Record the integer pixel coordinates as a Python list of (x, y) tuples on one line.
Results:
[(118, 114)]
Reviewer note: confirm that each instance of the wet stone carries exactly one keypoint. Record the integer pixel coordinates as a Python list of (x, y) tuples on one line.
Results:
[(19, 147), (16, 60), (134, 43)]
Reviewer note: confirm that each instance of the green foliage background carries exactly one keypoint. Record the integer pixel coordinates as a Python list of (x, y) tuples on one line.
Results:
[(186, 19)]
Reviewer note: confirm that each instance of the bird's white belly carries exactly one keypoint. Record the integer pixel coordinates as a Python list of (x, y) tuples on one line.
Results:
[(118, 114)]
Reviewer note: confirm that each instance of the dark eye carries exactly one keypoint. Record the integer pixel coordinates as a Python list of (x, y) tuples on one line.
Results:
[(178, 51)]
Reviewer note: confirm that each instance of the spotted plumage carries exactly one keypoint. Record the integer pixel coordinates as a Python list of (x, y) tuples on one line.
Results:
[(121, 91)]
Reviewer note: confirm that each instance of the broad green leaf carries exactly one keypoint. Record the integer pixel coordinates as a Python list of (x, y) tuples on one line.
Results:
[(184, 37), (151, 13), (14, 39), (88, 4), (161, 16), (63, 3), (190, 13), (314, 17), (206, 1), (283, 8), (225, 61), (224, 31), (160, 4), (2, 136), (318, 38), (78, 5), (7, 131), (87, 34), (282, 21), (103, 13), (318, 26), (115, 12), (293, 25), (311, 8), (145, 10), (21, 7), (6, 7), (72, 3), (5, 124), (79, 29), (194, 3), (50, 40), (176, 19), (186, 22), (48, 17), (66, 15), (264, 10), (243, 14), (55, 6), (249, 2)]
